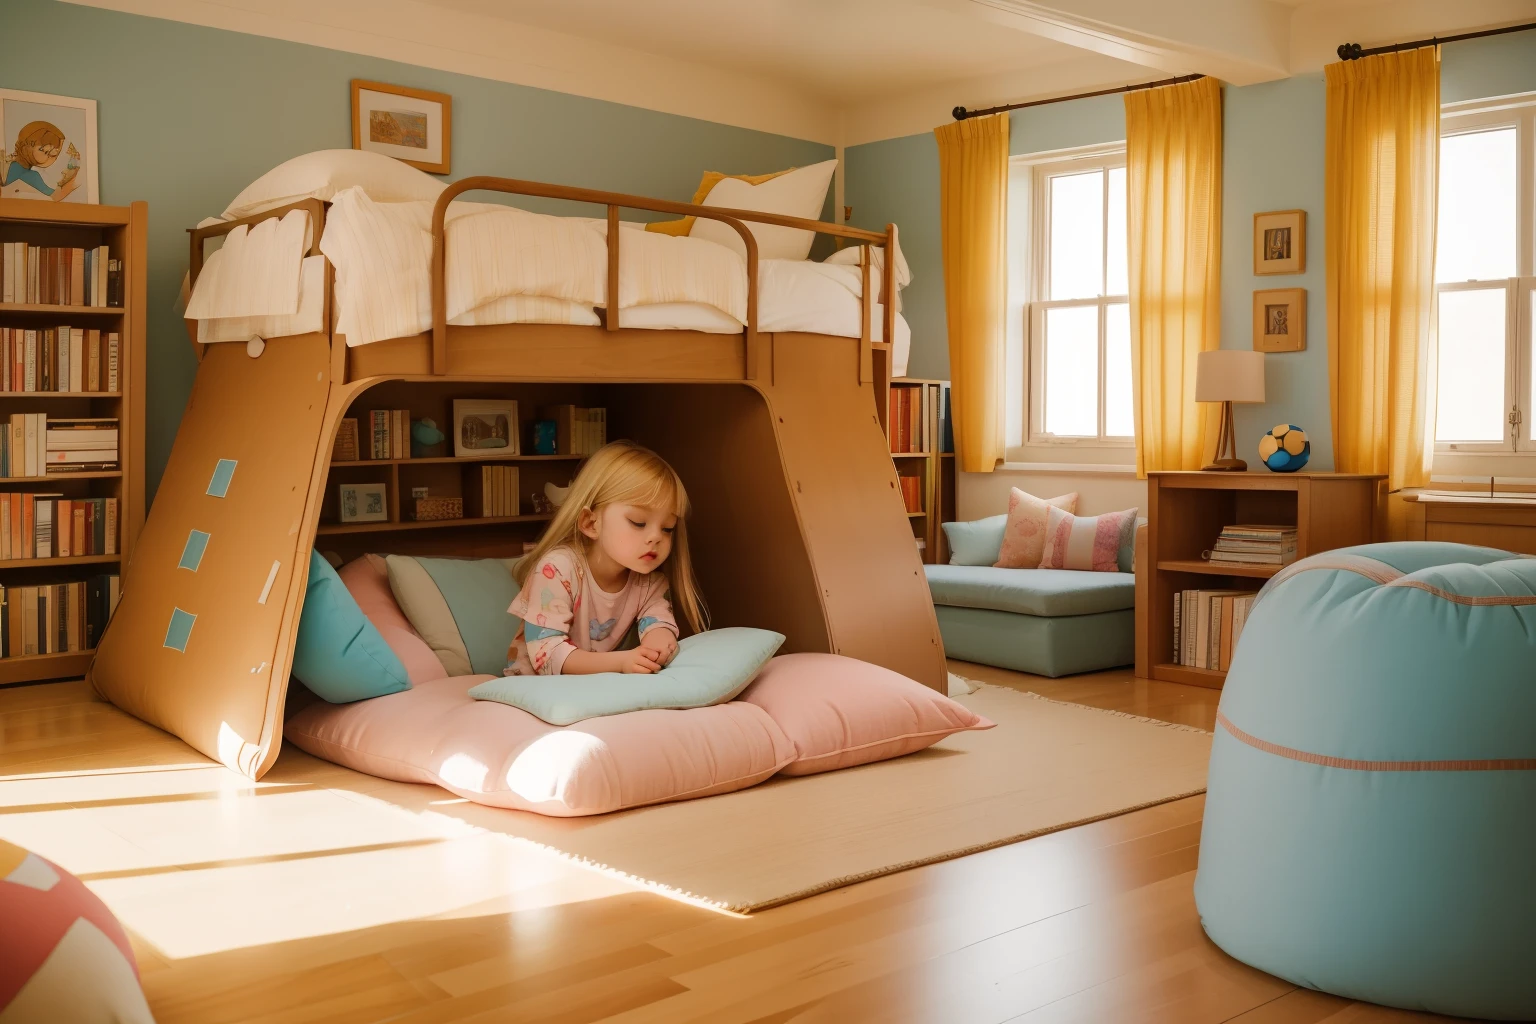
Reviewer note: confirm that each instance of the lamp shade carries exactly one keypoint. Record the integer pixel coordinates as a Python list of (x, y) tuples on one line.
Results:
[(1229, 375)]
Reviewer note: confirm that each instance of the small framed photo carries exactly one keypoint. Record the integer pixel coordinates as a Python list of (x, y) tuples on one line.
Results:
[(47, 147), (485, 427), (1280, 242), (412, 125), (1280, 320), (363, 503)]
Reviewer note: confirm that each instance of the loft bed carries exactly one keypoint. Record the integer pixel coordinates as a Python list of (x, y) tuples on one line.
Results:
[(797, 522)]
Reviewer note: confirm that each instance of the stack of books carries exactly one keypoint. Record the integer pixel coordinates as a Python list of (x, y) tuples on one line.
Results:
[(1206, 626), (912, 492), (53, 526), (58, 276), (56, 618), (1255, 545), (499, 495), (578, 431), (23, 445), (389, 433), (59, 359), (80, 445)]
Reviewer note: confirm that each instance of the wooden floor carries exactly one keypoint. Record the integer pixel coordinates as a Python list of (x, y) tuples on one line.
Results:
[(298, 899)]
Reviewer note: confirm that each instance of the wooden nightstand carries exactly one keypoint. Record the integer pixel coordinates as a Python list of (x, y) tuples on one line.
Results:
[(1185, 515)]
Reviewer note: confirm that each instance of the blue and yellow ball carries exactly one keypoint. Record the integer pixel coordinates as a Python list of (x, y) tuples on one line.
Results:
[(1285, 449)]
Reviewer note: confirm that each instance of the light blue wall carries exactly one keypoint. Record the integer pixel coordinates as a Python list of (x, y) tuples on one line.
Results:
[(1272, 159), (1273, 141), (189, 116), (897, 181)]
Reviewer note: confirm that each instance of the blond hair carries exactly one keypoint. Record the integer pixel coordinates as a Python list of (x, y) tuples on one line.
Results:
[(625, 473)]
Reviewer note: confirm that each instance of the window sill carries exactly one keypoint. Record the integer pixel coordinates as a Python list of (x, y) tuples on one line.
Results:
[(1069, 468)]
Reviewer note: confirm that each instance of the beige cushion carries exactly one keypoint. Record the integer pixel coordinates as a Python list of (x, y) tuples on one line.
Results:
[(325, 172), (1024, 535), (798, 193)]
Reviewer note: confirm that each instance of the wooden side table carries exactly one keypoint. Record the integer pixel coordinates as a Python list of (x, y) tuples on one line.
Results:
[(1185, 514)]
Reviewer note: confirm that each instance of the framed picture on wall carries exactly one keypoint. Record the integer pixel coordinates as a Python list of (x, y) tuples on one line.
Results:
[(1280, 320), (1280, 242), (412, 125), (47, 147)]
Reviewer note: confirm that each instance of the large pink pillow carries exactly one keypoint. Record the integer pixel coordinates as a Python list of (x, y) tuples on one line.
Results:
[(1090, 543), (367, 580), (1024, 535), (840, 712), (499, 755)]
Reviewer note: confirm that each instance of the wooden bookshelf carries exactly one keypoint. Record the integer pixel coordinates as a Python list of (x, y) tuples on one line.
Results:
[(1186, 513), (932, 467), (124, 229)]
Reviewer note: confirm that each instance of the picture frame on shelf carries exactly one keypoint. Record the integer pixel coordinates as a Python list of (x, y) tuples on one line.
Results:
[(415, 126), (1280, 320), (1280, 242), (362, 503), (47, 147), (485, 427)]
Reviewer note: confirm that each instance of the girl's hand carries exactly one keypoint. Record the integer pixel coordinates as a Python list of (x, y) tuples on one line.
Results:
[(662, 642), (640, 660)]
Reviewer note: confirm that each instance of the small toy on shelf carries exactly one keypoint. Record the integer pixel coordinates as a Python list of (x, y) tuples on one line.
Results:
[(545, 436), (1285, 449), (426, 436)]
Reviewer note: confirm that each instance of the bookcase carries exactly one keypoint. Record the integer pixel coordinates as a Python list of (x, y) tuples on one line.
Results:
[(1186, 512), (919, 427), (71, 226)]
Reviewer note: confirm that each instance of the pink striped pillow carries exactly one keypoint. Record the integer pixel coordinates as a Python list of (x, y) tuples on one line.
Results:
[(1089, 543)]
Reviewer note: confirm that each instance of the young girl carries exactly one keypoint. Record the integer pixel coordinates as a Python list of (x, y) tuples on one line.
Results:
[(592, 583)]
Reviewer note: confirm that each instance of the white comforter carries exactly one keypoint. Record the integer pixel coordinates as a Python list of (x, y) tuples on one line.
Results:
[(507, 265)]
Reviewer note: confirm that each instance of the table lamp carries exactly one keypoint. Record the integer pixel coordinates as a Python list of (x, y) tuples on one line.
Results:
[(1227, 376)]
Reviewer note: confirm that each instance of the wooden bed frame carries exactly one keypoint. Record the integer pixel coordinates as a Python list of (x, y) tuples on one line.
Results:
[(798, 524)]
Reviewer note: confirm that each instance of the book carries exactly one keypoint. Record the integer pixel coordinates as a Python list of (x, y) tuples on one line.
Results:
[(345, 448), (113, 386)]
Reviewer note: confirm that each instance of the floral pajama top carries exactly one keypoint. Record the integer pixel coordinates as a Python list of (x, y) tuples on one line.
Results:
[(563, 610)]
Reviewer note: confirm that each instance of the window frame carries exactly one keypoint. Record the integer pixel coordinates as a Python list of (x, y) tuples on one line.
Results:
[(1041, 168), (1516, 442)]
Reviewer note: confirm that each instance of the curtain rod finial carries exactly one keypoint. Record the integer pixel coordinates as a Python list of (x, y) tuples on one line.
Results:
[(1350, 51), (959, 113)]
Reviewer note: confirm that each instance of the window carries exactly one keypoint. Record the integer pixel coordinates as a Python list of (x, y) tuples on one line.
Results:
[(1078, 323), (1485, 284)]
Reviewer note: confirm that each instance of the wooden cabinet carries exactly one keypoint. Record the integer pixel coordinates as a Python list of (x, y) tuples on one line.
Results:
[(1492, 521), (1185, 515), (924, 469)]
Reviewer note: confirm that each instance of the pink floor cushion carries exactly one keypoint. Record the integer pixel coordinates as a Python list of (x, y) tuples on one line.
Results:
[(499, 755), (840, 712), (367, 580), (63, 956)]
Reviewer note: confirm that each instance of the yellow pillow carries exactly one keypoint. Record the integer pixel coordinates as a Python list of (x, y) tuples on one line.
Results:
[(706, 184)]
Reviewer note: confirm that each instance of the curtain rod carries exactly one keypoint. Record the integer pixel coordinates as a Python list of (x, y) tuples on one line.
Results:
[(960, 113), (1354, 51)]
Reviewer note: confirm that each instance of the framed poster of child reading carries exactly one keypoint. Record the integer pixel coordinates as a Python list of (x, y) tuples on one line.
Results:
[(47, 147)]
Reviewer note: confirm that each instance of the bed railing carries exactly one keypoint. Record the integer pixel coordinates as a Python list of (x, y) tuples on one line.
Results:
[(615, 201)]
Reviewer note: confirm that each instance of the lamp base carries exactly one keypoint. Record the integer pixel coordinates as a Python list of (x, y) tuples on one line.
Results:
[(1226, 466)]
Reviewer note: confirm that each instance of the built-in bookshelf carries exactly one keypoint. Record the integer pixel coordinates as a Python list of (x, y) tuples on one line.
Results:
[(72, 349), (919, 429)]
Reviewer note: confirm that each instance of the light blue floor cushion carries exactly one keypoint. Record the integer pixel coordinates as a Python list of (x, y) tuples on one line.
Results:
[(1370, 826), (1062, 645)]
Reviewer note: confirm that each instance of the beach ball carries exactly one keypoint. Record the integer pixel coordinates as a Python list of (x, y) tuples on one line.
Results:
[(63, 956), (1285, 449)]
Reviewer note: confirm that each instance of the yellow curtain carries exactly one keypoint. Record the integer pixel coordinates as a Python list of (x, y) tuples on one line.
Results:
[(1382, 173), (973, 219), (1173, 194)]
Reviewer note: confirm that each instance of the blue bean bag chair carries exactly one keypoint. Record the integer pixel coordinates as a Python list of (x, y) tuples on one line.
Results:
[(1370, 826)]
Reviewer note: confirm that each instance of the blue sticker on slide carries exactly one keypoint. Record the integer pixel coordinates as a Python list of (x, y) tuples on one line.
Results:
[(192, 554), (180, 630), (222, 473)]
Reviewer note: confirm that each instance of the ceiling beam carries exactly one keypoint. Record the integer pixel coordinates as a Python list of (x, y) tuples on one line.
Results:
[(1238, 41)]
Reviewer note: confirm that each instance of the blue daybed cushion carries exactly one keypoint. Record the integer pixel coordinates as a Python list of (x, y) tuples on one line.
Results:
[(710, 668), (977, 542), (339, 654)]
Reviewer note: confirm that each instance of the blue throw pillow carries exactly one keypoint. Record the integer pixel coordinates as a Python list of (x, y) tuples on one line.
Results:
[(339, 654), (710, 668), (976, 543)]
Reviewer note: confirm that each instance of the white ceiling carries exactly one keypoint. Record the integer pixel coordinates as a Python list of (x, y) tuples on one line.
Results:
[(841, 71), (839, 50)]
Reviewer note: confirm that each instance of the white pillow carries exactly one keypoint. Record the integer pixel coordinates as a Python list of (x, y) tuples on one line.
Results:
[(323, 173), (849, 255), (799, 193)]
